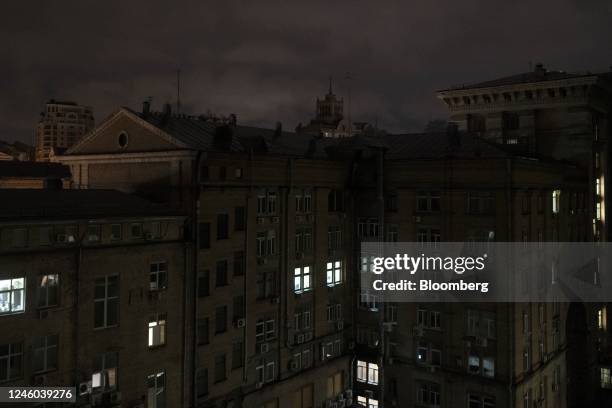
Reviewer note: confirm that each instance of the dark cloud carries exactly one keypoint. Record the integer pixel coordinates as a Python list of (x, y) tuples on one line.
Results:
[(268, 61)]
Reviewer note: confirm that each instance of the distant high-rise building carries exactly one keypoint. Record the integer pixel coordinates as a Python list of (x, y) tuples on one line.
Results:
[(61, 125)]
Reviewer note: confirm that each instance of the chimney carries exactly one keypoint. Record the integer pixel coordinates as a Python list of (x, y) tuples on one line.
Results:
[(278, 131), (146, 107)]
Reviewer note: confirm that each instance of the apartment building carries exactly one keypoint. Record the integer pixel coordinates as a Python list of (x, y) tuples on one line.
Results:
[(61, 125), (91, 289), (274, 316)]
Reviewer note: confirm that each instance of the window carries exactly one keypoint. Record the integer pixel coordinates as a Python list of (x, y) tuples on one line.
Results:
[(237, 355), (238, 307), (202, 382), (265, 284), (204, 235), (334, 238), (45, 353), (301, 279), (204, 283), (156, 390), (93, 233), (556, 201), (335, 201), (270, 329), (220, 319), (391, 203), (48, 290), (220, 368), (510, 121), (12, 296), (429, 236), (266, 243), (473, 364), (239, 263), (390, 313), (334, 273), (606, 379), (158, 277), (428, 201), (222, 172), (222, 226), (430, 319), (478, 401), (239, 218), (221, 275), (238, 172), (526, 358), (428, 394), (105, 370), (19, 237), (602, 318), (303, 397), (367, 372), (106, 302), (334, 385), (367, 402), (136, 230), (202, 331), (115, 232), (11, 361), (271, 203), (392, 233), (488, 367), (157, 330), (480, 203), (44, 235)]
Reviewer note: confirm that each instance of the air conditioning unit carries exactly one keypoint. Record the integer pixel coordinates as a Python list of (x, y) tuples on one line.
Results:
[(39, 380), (417, 331), (93, 238), (264, 347), (369, 393), (275, 220), (351, 345), (388, 326), (482, 342), (261, 220), (299, 338), (261, 261), (417, 218), (308, 336), (348, 393), (275, 300), (342, 403), (259, 385), (115, 397), (240, 323), (43, 314), (85, 388), (340, 325), (149, 236), (293, 365), (61, 238)]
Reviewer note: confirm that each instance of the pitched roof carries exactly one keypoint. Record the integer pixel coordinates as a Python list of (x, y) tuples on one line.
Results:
[(74, 204), (28, 169)]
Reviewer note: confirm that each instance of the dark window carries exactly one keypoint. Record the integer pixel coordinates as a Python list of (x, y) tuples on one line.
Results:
[(391, 203), (204, 283), (202, 334), (204, 232), (236, 355), (106, 301), (239, 219), (335, 201), (239, 263), (222, 173), (204, 173), (511, 121), (220, 319), (221, 279), (202, 382), (11, 361), (238, 308), (220, 368), (222, 226)]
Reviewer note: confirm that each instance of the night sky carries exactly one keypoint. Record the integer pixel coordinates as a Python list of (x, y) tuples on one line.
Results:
[(268, 61)]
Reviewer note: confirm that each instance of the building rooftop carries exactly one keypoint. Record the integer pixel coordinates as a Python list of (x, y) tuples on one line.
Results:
[(75, 204), (29, 169), (539, 74)]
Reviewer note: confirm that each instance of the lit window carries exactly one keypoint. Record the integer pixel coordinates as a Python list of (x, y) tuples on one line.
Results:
[(301, 279), (488, 367), (602, 318), (606, 378), (556, 201), (473, 364), (334, 273), (157, 330), (12, 295)]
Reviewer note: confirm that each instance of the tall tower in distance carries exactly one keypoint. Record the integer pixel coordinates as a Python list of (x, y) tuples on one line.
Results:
[(330, 109), (61, 125)]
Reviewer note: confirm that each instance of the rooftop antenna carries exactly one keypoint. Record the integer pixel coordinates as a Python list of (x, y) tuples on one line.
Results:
[(330, 85), (178, 91)]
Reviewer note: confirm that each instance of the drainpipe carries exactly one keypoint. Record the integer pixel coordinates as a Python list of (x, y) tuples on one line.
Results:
[(246, 268), (381, 239), (282, 308), (510, 310)]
